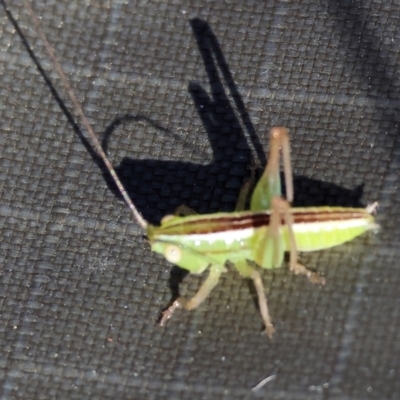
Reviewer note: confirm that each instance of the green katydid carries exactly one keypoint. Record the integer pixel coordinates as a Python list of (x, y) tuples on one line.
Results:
[(261, 235)]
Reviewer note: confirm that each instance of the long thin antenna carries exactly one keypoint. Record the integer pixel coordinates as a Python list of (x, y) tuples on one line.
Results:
[(78, 109)]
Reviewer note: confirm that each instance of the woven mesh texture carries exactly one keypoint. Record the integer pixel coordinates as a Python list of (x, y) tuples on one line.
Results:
[(182, 94)]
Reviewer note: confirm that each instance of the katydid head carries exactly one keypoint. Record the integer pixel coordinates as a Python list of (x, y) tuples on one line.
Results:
[(180, 255), (173, 253)]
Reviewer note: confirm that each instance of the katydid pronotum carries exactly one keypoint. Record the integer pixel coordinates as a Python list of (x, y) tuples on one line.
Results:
[(259, 236)]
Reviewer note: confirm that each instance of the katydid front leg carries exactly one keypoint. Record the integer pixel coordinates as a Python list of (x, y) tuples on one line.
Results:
[(190, 304)]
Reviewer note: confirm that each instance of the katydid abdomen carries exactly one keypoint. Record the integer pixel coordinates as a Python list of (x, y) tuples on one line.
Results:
[(324, 227)]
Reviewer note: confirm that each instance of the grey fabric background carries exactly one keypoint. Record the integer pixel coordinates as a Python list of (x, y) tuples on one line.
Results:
[(183, 93)]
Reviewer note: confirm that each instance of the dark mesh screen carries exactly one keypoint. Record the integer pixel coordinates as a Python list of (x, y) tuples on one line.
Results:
[(182, 94)]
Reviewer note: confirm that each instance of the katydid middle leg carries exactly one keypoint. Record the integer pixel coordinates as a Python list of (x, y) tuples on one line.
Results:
[(249, 272), (246, 189), (184, 211)]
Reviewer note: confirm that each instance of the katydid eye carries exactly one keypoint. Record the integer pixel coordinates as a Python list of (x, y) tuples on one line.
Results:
[(173, 253)]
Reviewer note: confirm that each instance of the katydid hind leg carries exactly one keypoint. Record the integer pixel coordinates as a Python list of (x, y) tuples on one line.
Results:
[(313, 277), (269, 185), (282, 207), (269, 245), (192, 303)]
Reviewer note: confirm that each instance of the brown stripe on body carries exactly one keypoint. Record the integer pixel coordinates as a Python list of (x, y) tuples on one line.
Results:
[(248, 220)]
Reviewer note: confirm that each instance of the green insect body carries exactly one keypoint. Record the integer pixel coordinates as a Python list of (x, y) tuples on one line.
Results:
[(195, 242), (261, 235)]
